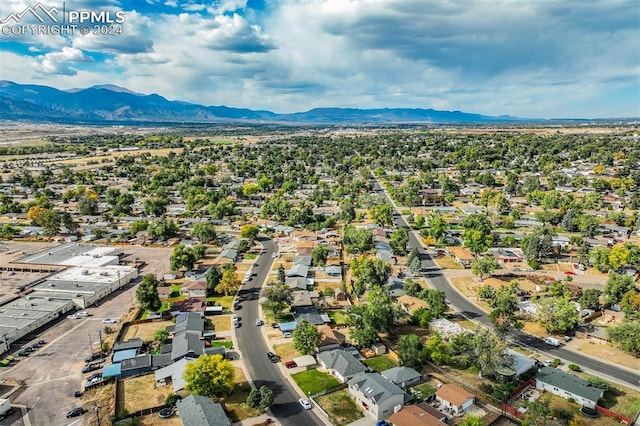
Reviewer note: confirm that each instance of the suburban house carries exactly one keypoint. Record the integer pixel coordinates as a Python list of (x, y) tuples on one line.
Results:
[(520, 364), (329, 339), (462, 255), (454, 399), (333, 271), (164, 292), (379, 397), (340, 364), (402, 376), (198, 410), (567, 386), (410, 304), (194, 289), (172, 374), (417, 415)]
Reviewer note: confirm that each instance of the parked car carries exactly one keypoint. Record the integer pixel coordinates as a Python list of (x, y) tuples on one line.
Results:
[(259, 322), (275, 325), (82, 314), (73, 316), (77, 394), (24, 352), (273, 357), (90, 367), (286, 334), (290, 364), (75, 412), (305, 403), (109, 321)]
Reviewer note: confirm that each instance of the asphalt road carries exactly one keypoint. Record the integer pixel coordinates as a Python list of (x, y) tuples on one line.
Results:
[(434, 275), (251, 344)]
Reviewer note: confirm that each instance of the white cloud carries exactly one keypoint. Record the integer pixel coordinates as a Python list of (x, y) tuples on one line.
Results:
[(60, 62)]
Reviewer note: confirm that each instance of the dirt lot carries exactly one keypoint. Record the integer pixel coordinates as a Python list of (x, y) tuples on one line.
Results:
[(602, 351), (145, 331), (141, 392), (154, 420), (446, 262), (285, 351), (156, 258), (221, 322)]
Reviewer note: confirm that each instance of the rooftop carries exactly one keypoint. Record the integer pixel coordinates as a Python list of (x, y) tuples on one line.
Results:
[(569, 382), (454, 394), (198, 410)]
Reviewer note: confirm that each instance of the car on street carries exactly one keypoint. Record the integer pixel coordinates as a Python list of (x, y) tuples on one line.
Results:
[(75, 412), (259, 322), (305, 403), (273, 357), (274, 255), (290, 364), (24, 352), (77, 394), (109, 321)]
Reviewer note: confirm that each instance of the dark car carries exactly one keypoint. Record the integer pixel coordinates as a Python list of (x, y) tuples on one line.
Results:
[(273, 357), (75, 412), (275, 325), (90, 367), (77, 394)]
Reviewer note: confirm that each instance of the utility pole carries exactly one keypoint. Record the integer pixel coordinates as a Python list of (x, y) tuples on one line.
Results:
[(100, 336), (90, 344), (96, 409)]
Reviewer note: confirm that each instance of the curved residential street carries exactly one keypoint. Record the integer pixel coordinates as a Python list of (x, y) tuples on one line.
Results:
[(437, 280), (253, 348)]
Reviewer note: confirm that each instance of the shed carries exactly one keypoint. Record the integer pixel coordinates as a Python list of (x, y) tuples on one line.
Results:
[(112, 370), (122, 355), (288, 326)]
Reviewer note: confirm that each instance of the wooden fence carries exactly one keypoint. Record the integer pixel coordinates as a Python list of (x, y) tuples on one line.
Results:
[(613, 415)]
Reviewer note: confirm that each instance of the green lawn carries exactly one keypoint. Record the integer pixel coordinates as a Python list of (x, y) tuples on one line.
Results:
[(313, 381), (224, 301), (424, 390), (340, 406), (165, 307), (175, 290), (338, 316), (225, 343), (250, 256), (381, 363)]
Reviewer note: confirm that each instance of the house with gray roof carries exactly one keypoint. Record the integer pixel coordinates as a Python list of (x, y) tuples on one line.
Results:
[(376, 395), (341, 364), (302, 260), (298, 271), (402, 376), (172, 374), (567, 386), (198, 410)]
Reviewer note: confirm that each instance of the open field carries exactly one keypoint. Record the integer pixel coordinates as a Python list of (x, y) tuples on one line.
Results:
[(141, 392), (340, 406), (145, 331), (447, 262)]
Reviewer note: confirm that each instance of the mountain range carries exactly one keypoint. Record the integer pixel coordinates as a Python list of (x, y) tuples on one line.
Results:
[(112, 104)]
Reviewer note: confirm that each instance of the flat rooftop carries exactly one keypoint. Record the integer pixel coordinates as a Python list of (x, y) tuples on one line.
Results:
[(60, 255), (75, 287), (103, 275)]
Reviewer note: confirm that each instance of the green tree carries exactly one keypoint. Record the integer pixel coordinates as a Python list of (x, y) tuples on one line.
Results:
[(471, 420), (210, 375), (382, 214), (278, 297), (558, 315), (415, 264), (162, 229), (398, 241), (476, 241), (438, 350), (250, 232), (411, 352), (319, 254), (260, 398), (161, 336), (488, 352), (538, 244), (282, 275), (484, 266), (147, 293), (437, 301), (50, 221), (306, 338), (229, 283), (588, 225), (360, 239), (618, 257), (182, 257), (370, 272), (590, 299), (155, 206), (487, 292), (617, 285), (87, 205), (626, 336), (205, 232), (213, 278)]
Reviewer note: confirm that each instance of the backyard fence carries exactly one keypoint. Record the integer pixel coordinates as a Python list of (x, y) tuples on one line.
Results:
[(613, 415)]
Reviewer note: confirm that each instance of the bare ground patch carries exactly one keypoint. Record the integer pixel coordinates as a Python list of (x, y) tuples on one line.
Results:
[(145, 331), (141, 392)]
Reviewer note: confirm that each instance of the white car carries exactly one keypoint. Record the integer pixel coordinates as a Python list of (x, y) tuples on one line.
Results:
[(305, 403), (109, 321), (74, 316), (82, 314)]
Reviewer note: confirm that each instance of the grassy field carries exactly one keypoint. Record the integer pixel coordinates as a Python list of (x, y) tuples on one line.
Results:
[(340, 406), (145, 331), (423, 390), (338, 317), (224, 301), (314, 381), (221, 322), (381, 363), (141, 392), (235, 404), (285, 351)]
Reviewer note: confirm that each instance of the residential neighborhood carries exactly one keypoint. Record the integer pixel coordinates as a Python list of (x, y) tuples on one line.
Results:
[(363, 277)]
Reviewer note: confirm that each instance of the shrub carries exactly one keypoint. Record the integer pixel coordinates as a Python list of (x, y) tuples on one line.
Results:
[(574, 367), (556, 362)]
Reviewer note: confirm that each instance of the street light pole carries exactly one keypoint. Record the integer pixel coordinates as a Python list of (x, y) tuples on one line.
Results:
[(96, 409)]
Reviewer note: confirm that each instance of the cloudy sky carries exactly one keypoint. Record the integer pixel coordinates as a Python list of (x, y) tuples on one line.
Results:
[(529, 58)]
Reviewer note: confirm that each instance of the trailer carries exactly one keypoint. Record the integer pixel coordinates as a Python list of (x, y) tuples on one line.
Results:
[(551, 341), (5, 408)]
